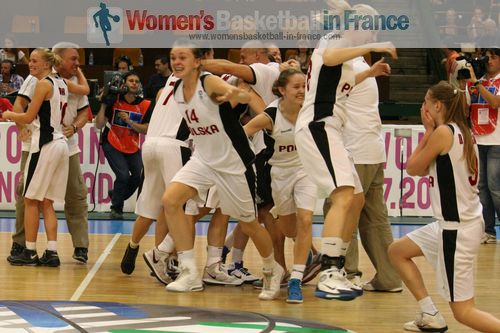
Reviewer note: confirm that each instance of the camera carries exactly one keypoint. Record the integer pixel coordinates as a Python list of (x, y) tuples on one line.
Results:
[(113, 88), (478, 65)]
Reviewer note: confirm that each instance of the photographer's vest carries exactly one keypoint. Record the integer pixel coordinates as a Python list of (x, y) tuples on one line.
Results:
[(120, 135), (484, 118)]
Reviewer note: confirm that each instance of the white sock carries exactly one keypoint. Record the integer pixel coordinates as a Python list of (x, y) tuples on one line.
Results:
[(427, 305), (331, 246), (298, 272), (213, 254), (52, 246), (167, 245), (343, 249), (133, 245), (268, 262), (187, 258), (31, 245), (237, 255)]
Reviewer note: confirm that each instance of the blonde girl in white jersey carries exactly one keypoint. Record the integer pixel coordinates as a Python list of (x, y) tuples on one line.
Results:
[(448, 154), (46, 171), (216, 161), (319, 142)]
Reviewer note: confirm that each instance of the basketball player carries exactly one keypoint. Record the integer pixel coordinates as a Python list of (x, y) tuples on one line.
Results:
[(46, 172), (448, 154), (294, 194), (319, 138), (222, 158)]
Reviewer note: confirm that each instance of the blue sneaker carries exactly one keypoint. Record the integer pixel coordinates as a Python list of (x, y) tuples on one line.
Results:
[(294, 291)]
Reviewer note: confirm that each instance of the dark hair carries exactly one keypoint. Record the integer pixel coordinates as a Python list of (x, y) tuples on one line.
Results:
[(163, 59), (12, 65), (125, 59), (456, 112), (130, 73), (495, 51), (283, 80)]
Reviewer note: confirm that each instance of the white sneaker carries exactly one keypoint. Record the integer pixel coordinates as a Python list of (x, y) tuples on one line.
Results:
[(425, 322), (156, 261), (237, 270), (354, 283), (271, 282), (188, 280), (217, 274), (333, 284), (369, 287), (488, 239)]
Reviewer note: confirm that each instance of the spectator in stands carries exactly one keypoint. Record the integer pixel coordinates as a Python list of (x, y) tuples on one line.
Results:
[(158, 80), (475, 29), (450, 32), (5, 105), (490, 36), (124, 64), (10, 81), (303, 56), (9, 52)]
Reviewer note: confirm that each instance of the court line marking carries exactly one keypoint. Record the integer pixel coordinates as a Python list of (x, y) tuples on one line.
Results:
[(90, 275)]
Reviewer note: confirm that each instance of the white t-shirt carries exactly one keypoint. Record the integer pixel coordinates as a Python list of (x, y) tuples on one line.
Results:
[(76, 103), (363, 130)]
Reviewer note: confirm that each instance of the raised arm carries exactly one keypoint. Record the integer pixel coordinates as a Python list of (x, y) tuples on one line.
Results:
[(260, 122), (380, 68), (336, 56), (80, 88)]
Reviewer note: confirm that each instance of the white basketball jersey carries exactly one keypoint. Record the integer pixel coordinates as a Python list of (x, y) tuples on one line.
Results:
[(265, 76), (47, 125), (284, 152), (218, 136), (166, 121), (454, 193), (27, 90), (327, 88)]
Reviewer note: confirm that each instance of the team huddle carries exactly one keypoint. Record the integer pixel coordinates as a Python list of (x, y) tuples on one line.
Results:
[(261, 142)]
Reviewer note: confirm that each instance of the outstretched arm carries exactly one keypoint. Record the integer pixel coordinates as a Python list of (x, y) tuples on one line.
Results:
[(222, 66), (260, 122), (380, 68), (336, 56), (225, 92)]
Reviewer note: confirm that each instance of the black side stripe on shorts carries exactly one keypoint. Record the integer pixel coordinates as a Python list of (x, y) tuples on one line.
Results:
[(447, 189), (449, 248), (31, 170), (185, 155), (250, 176), (321, 139)]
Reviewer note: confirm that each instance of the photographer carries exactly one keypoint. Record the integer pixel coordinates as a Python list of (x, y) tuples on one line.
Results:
[(484, 99), (124, 114)]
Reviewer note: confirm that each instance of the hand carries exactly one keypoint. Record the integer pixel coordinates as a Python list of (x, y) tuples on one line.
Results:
[(7, 115), (124, 116), (68, 131), (380, 68), (291, 63), (473, 78), (386, 47), (427, 120), (24, 134), (231, 93)]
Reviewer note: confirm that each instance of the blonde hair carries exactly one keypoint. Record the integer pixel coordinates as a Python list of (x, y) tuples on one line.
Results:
[(52, 58), (456, 112)]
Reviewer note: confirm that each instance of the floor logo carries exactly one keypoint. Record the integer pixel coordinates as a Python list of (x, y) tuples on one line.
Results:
[(104, 24)]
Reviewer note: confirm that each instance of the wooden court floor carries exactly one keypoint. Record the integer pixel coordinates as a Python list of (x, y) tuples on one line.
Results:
[(102, 280)]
